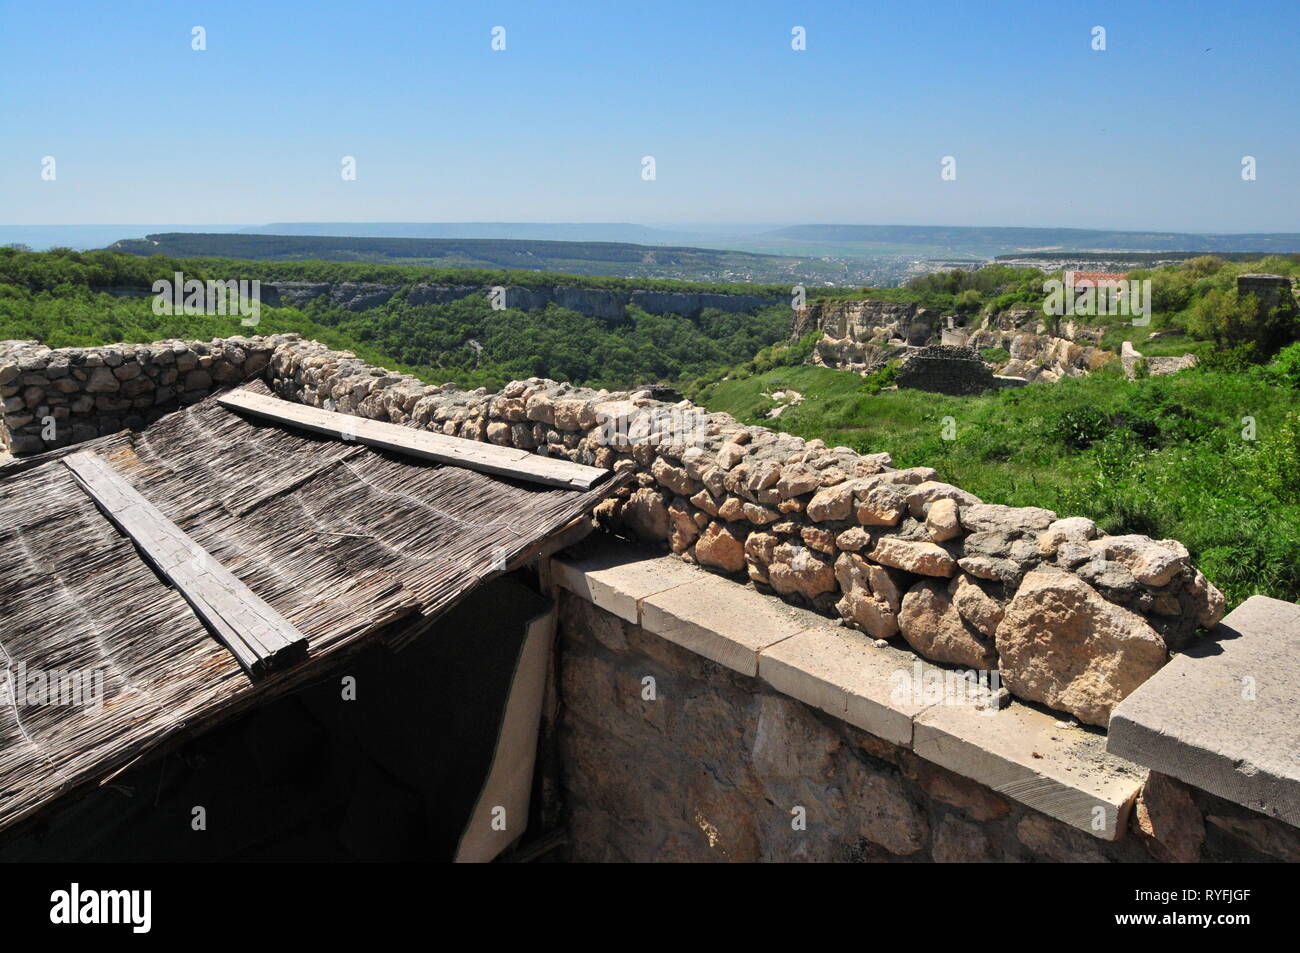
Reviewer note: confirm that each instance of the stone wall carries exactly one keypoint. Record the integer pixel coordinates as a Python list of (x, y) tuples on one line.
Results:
[(1273, 291), (945, 369), (1069, 617), (718, 766), (52, 398)]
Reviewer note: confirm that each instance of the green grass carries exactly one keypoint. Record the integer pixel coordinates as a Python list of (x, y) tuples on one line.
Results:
[(1160, 456)]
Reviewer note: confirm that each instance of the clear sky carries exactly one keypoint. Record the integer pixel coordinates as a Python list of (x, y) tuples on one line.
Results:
[(1147, 134)]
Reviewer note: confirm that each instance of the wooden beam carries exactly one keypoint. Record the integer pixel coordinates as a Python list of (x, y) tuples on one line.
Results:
[(471, 454), (258, 636)]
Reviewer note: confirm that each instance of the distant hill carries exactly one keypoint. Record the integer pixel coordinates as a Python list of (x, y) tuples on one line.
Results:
[(620, 259), (522, 231)]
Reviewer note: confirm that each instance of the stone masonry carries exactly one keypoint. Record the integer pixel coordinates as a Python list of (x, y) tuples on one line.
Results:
[(52, 398), (945, 369), (718, 766), (1070, 617)]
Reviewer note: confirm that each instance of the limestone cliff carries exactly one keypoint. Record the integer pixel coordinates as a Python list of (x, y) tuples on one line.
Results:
[(595, 302)]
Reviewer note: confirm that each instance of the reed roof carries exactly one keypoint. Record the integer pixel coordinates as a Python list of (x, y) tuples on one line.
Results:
[(350, 544)]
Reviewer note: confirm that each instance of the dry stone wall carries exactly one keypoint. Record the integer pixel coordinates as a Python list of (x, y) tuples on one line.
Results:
[(1070, 617), (52, 398), (945, 369)]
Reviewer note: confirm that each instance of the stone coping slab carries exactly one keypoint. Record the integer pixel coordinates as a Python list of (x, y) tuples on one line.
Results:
[(1031, 756), (1057, 767), (1223, 716)]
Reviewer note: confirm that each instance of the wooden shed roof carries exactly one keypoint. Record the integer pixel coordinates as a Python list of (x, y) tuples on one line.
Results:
[(350, 544)]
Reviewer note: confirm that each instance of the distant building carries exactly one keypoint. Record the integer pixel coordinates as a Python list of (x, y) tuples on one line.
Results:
[(1098, 279)]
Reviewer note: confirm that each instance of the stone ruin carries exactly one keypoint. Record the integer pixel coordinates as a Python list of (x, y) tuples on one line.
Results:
[(862, 335), (892, 552), (1070, 617), (50, 398), (945, 369), (1273, 291)]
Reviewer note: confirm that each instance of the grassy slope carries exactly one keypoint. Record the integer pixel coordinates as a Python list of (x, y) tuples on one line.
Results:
[(1161, 456)]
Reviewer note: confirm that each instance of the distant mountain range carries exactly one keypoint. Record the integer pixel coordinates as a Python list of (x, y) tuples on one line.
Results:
[(862, 241), (618, 259), (813, 255)]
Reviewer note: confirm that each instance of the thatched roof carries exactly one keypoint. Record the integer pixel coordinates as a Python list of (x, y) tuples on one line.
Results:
[(349, 544)]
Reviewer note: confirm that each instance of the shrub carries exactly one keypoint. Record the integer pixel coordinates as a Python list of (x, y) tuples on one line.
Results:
[(1285, 369), (1277, 462), (1078, 427), (1225, 318), (878, 380)]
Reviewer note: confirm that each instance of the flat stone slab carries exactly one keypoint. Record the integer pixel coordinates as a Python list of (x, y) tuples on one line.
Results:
[(1027, 755), (722, 621), (842, 672), (1224, 716), (1053, 766), (616, 576)]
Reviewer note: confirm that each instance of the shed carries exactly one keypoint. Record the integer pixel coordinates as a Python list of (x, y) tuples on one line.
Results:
[(350, 545)]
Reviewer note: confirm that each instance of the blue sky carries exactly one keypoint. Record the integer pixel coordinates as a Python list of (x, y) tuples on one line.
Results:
[(1148, 134)]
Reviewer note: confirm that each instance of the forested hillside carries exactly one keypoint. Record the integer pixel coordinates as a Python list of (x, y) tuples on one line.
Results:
[(62, 299), (617, 259)]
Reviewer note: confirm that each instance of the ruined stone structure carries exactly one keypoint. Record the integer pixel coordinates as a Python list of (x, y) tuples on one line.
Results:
[(861, 335), (1135, 364), (895, 553), (1273, 291), (766, 706), (945, 369)]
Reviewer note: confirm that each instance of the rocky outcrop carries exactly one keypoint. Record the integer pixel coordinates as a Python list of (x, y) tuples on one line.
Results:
[(1042, 357), (861, 334)]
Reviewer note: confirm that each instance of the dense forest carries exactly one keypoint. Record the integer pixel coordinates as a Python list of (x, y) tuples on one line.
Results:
[(61, 298), (592, 258)]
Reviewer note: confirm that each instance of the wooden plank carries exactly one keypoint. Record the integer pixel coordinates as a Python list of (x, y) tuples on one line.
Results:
[(258, 636), (471, 454)]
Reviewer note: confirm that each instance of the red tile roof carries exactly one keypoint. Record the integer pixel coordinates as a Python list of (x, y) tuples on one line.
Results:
[(1098, 277)]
